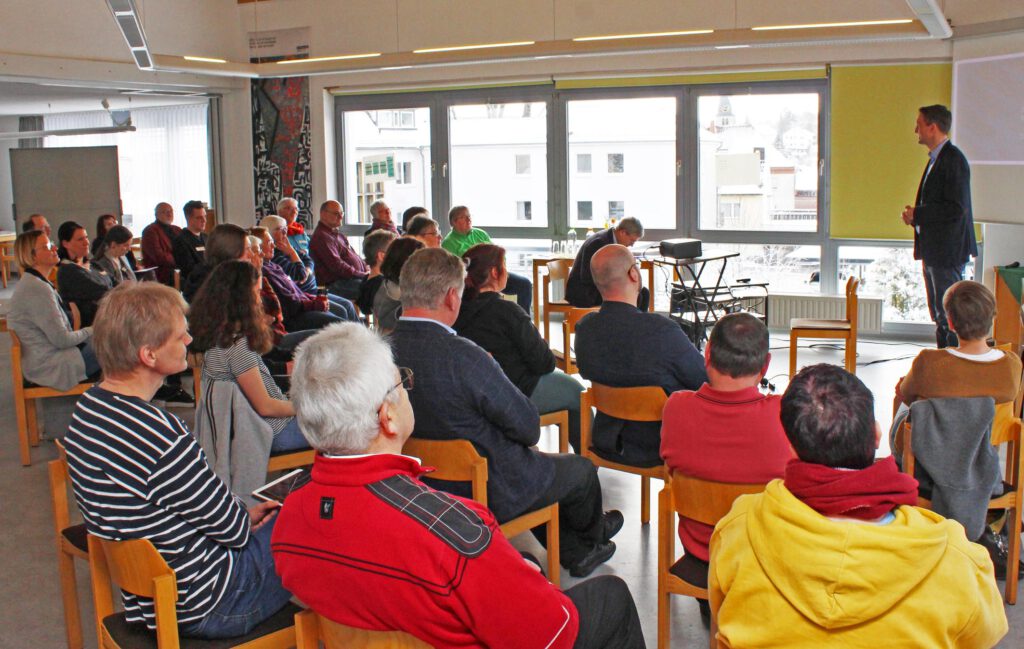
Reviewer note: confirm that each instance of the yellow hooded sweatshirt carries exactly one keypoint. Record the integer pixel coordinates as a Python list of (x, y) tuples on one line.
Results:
[(783, 575)]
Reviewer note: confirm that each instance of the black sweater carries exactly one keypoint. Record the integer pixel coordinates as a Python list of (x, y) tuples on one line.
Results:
[(83, 287), (504, 330)]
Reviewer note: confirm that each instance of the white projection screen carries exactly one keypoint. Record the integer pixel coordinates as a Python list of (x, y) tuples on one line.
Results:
[(988, 125)]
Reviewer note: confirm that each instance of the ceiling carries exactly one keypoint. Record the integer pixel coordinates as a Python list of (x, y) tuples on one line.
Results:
[(21, 98)]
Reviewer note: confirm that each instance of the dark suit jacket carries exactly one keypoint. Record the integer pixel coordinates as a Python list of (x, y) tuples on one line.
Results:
[(624, 347), (186, 251), (461, 393), (580, 290), (942, 212)]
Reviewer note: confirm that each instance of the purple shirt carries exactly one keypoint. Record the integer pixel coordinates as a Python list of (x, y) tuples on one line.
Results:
[(334, 257)]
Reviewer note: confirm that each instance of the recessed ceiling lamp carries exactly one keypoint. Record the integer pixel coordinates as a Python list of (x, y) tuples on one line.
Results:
[(613, 37), (203, 59), (458, 48), (342, 57), (127, 18), (856, 23), (730, 47)]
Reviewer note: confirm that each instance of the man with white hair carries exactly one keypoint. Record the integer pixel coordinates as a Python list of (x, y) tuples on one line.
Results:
[(288, 209), (381, 215), (297, 264), (462, 393), (158, 243), (352, 547)]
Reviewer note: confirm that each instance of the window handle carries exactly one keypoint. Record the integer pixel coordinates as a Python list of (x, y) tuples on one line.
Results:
[(821, 168), (679, 168), (444, 170)]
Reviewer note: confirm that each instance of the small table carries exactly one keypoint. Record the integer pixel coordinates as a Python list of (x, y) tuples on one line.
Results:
[(541, 261)]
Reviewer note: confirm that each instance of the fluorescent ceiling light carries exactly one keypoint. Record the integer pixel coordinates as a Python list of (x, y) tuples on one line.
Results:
[(343, 57), (857, 23), (397, 67), (647, 35), (730, 47), (203, 59), (457, 48)]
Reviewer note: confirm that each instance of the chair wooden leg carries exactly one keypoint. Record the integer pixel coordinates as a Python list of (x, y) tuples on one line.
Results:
[(645, 500), (33, 422), (851, 355), (69, 595), (307, 632), (792, 354), (554, 550), (21, 409), (664, 617), (1013, 554)]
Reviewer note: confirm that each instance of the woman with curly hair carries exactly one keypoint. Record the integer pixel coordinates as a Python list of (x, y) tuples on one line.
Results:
[(229, 326)]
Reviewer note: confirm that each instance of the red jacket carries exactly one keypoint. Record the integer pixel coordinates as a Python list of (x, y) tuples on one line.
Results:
[(158, 250), (722, 436), (368, 545)]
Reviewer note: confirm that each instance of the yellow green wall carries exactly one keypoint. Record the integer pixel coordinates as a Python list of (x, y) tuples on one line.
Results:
[(876, 161)]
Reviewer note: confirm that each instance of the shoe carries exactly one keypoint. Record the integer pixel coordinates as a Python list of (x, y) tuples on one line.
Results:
[(612, 523), (998, 552), (174, 394), (705, 612), (601, 553)]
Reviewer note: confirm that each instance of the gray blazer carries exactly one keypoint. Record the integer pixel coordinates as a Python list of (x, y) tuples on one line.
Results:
[(49, 347)]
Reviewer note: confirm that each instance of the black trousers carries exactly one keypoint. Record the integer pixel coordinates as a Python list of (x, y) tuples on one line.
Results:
[(580, 513), (608, 616), (937, 279)]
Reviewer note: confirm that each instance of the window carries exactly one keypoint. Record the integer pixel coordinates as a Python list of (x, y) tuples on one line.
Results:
[(616, 209), (728, 213), (404, 119), (403, 173), (584, 210), (787, 268), (524, 210), (583, 163), (616, 163), (522, 164)]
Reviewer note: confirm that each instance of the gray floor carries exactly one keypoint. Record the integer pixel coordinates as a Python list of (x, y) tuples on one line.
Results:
[(30, 608)]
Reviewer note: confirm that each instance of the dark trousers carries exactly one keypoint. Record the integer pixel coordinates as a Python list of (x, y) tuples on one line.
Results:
[(937, 279), (522, 288), (580, 514), (346, 288), (311, 320), (608, 616)]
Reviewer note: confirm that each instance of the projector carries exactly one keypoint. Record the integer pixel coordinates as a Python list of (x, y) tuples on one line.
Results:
[(680, 248)]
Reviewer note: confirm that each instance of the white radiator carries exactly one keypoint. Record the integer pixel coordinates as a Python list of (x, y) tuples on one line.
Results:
[(782, 308)]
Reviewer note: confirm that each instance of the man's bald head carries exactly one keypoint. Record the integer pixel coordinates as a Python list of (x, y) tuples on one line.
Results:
[(612, 268)]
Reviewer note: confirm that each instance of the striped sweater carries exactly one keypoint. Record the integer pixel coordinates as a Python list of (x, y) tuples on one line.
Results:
[(138, 472)]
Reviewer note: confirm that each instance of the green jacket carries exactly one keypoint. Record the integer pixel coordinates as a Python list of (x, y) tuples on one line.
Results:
[(458, 244)]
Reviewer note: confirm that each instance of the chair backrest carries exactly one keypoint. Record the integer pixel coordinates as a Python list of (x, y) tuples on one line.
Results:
[(558, 269), (453, 459), (59, 483), (634, 404), (706, 501), (16, 374), (195, 361), (313, 628), (572, 317), (851, 303)]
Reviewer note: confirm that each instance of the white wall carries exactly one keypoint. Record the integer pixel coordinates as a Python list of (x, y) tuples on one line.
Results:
[(6, 196)]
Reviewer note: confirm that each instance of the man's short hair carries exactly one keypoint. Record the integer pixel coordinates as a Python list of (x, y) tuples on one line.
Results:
[(286, 201), (420, 223), (829, 417), (132, 316), (938, 115), (408, 214), (971, 307), (739, 345), (342, 376), (192, 206), (427, 277), (376, 242), (375, 207), (631, 226), (272, 221), (454, 213), (30, 224)]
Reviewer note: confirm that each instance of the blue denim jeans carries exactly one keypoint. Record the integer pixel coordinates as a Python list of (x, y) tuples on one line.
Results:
[(342, 308), (289, 439), (92, 364), (937, 279), (254, 592)]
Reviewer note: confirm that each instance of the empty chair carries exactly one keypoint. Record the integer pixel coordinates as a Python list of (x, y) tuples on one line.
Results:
[(845, 329)]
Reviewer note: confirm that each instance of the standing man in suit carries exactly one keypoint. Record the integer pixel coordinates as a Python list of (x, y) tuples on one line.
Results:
[(941, 215)]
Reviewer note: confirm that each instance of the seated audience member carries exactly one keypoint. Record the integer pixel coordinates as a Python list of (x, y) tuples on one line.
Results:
[(103, 224), (836, 554), (464, 236), (227, 242), (375, 246), (726, 431), (354, 406), (231, 331), (36, 222), (77, 280), (972, 369), (52, 354), (622, 347), (425, 229), (506, 332), (138, 473), (298, 265), (461, 393), (284, 342), (158, 243), (581, 290), (387, 303), (381, 218), (189, 246), (338, 266), (409, 214), (288, 209), (111, 256), (301, 310)]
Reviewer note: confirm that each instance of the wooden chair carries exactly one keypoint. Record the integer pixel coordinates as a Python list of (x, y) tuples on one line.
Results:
[(557, 270), (25, 395), (6, 259), (845, 329), (71, 545), (565, 360), (458, 460), (633, 404), (704, 501), (558, 418), (136, 567), (195, 361), (1006, 429), (312, 628)]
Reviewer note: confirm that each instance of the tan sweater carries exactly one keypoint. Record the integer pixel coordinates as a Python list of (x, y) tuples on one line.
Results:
[(936, 373)]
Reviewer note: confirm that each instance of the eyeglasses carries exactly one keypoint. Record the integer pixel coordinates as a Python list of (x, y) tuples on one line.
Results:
[(435, 233), (406, 381)]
